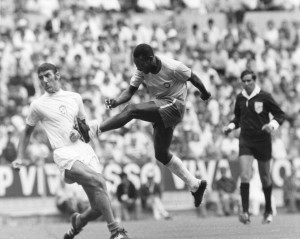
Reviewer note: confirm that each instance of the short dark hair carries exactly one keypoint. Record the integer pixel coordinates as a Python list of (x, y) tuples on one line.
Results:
[(248, 72), (143, 50), (47, 66)]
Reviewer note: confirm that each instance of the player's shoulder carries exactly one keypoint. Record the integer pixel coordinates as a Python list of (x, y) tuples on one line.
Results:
[(169, 61), (173, 64), (38, 100), (72, 94)]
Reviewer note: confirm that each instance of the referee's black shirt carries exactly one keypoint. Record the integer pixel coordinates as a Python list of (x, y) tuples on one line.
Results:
[(250, 114)]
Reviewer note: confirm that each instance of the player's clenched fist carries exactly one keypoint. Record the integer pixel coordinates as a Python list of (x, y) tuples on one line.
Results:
[(205, 96), (74, 135), (110, 103)]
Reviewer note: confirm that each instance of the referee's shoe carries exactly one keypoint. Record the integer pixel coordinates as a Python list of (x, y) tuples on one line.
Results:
[(268, 218), (198, 195)]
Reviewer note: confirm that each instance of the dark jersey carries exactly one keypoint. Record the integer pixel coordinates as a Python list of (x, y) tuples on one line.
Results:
[(251, 114)]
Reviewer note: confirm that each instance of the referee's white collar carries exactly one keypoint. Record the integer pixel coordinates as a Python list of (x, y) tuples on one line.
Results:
[(254, 92)]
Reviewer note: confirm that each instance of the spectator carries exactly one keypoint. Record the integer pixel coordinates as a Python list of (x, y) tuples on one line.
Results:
[(230, 147), (151, 195), (229, 197), (9, 152), (291, 191), (127, 196), (70, 198)]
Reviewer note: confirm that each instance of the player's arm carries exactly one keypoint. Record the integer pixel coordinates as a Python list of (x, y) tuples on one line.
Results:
[(23, 143), (278, 114), (196, 81), (235, 123), (123, 98)]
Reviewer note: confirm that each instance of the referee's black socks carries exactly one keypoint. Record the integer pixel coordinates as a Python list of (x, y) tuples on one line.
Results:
[(245, 196), (268, 195)]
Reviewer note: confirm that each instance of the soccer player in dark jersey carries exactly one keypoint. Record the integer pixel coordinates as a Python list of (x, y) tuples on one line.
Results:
[(251, 113), (166, 79)]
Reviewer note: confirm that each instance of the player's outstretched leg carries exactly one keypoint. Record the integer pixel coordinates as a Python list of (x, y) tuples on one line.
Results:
[(198, 195), (76, 227)]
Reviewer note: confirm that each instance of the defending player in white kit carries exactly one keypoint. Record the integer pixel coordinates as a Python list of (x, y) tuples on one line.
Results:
[(57, 110)]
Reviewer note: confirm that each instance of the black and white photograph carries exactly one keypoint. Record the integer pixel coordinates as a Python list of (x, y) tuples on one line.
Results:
[(142, 119)]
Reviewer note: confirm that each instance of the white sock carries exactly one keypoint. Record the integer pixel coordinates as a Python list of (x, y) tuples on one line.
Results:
[(177, 167)]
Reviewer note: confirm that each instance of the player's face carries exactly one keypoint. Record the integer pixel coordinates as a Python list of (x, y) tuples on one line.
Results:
[(144, 65), (49, 81), (248, 83)]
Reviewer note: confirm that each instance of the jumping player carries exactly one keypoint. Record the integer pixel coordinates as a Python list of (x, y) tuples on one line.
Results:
[(57, 110), (166, 79), (251, 114)]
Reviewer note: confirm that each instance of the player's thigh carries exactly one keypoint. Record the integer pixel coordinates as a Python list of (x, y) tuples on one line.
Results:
[(245, 165), (147, 111), (83, 175), (162, 137)]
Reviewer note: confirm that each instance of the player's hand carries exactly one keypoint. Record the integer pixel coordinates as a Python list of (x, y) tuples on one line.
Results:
[(16, 164), (205, 96), (268, 128), (226, 130), (74, 135), (110, 103)]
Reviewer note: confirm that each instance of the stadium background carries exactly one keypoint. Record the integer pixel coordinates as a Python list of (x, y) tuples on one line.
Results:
[(92, 45)]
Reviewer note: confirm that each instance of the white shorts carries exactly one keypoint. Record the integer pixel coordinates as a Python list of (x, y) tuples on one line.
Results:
[(65, 157)]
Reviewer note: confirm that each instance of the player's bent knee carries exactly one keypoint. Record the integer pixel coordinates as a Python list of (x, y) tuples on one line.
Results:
[(132, 110), (162, 157), (97, 181)]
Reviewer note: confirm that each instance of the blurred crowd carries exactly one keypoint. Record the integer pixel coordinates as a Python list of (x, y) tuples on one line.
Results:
[(46, 7), (93, 52)]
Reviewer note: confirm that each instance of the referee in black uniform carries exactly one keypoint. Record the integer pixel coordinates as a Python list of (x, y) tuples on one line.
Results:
[(252, 114)]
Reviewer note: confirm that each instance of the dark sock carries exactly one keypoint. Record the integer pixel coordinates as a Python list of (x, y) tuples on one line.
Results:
[(268, 194), (113, 227), (245, 196)]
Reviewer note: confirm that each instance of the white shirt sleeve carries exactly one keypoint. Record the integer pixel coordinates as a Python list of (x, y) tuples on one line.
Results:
[(182, 72), (33, 117), (137, 78)]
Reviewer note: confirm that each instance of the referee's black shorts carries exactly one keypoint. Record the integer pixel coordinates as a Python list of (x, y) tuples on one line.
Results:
[(259, 149)]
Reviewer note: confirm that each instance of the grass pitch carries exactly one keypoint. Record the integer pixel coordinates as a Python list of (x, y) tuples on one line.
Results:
[(183, 226)]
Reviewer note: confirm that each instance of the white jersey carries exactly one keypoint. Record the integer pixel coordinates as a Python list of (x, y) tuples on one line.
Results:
[(57, 112), (169, 82)]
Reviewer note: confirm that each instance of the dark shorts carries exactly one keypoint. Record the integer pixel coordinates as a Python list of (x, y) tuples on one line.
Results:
[(171, 111), (260, 150)]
